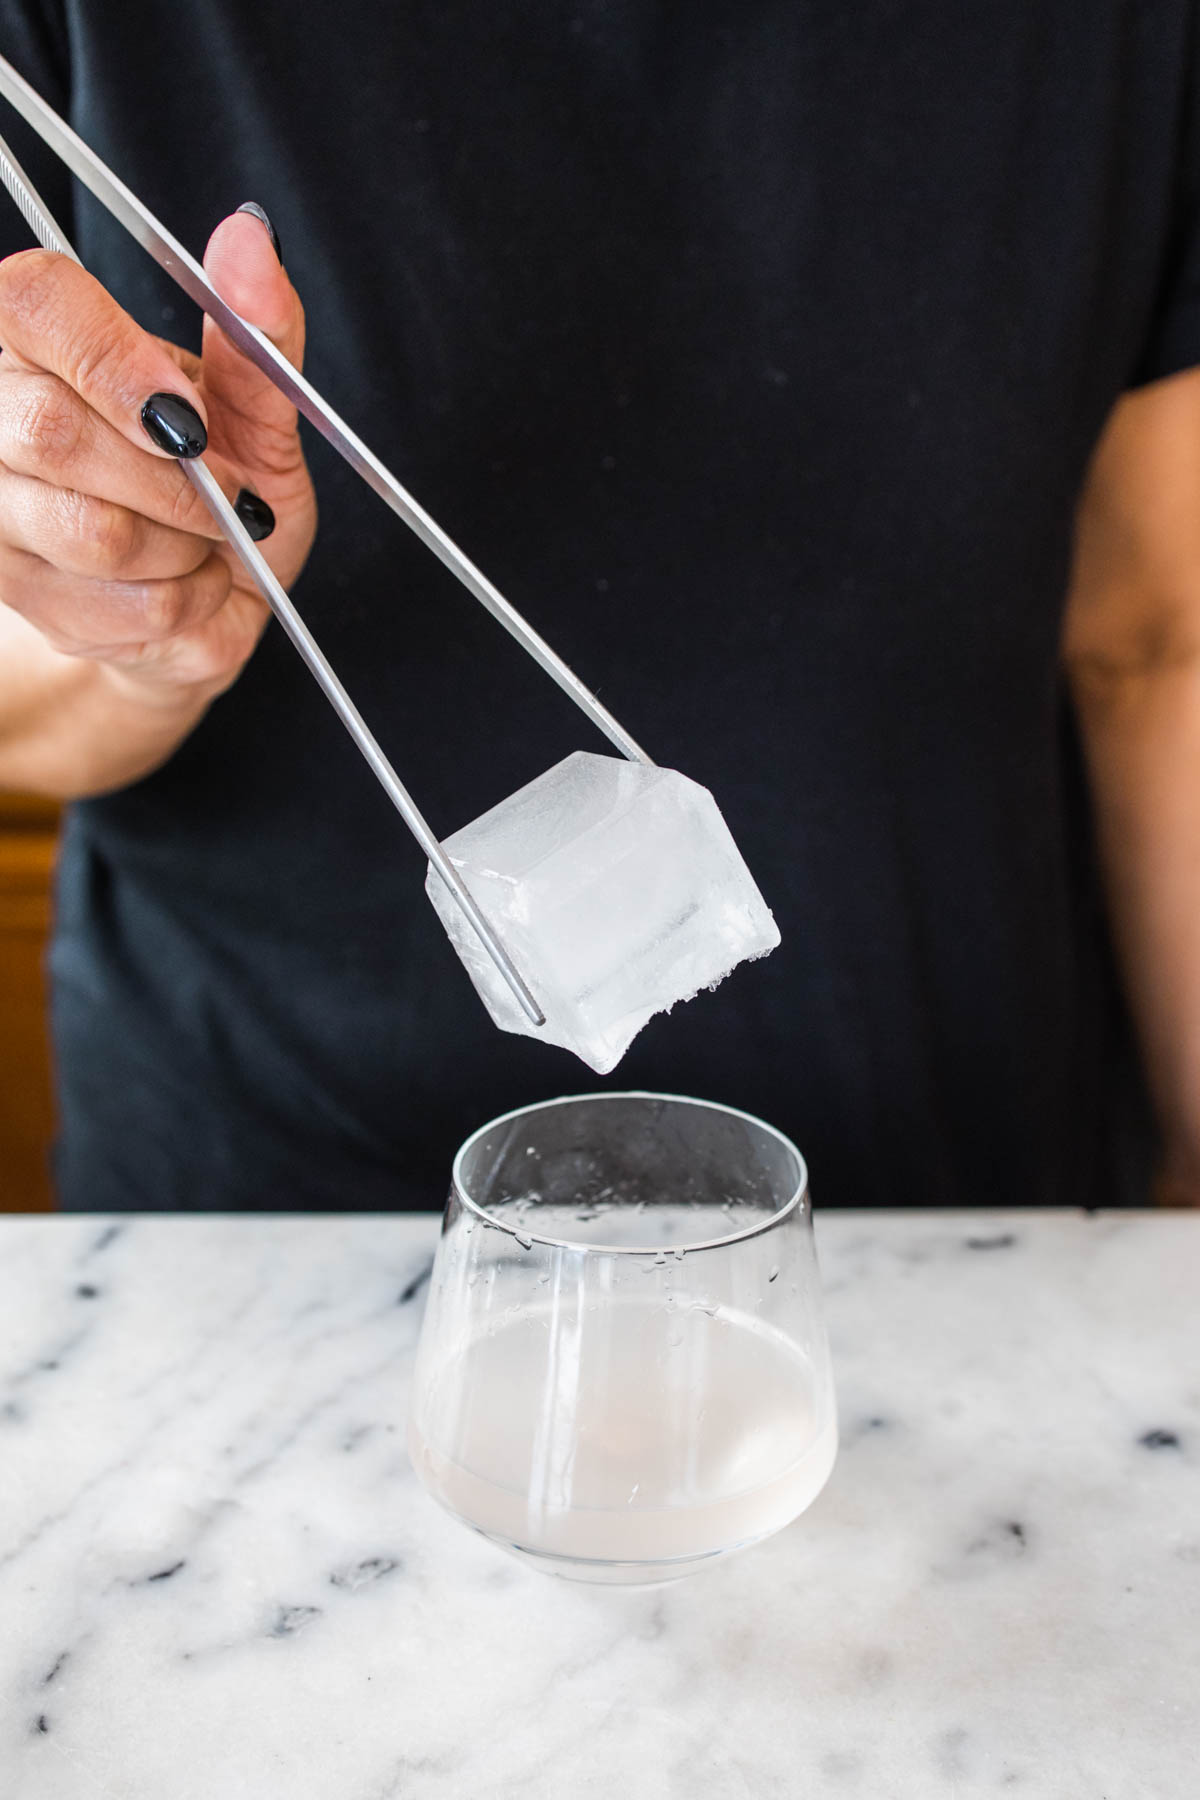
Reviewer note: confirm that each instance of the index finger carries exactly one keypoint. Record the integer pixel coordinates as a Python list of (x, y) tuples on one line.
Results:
[(57, 317)]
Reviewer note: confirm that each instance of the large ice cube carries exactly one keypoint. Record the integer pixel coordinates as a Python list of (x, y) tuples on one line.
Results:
[(617, 890)]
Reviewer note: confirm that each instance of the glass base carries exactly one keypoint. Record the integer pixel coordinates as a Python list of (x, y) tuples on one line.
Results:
[(604, 1571), (613, 1574)]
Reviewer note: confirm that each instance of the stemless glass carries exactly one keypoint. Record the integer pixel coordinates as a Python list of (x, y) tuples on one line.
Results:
[(623, 1372)]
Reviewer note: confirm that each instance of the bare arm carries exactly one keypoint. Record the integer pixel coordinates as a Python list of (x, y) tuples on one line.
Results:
[(1132, 648), (68, 729), (122, 615)]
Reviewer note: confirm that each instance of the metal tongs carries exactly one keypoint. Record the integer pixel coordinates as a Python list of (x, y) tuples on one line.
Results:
[(170, 255)]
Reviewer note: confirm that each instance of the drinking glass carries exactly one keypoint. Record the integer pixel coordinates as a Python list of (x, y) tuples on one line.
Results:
[(623, 1371)]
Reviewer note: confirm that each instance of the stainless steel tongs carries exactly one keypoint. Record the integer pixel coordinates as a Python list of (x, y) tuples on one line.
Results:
[(170, 255)]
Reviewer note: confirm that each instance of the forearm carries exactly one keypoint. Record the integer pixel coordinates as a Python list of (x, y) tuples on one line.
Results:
[(70, 728), (1141, 733)]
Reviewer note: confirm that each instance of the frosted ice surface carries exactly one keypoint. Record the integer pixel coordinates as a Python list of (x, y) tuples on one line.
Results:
[(617, 890)]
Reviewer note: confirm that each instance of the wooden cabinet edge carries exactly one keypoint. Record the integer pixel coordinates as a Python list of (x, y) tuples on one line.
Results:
[(28, 812), (26, 872)]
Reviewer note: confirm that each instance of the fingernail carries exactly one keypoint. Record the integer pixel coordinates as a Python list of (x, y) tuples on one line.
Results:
[(174, 425), (256, 212), (255, 515)]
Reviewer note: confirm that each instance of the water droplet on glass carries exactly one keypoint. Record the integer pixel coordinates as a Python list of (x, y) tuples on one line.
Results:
[(774, 1273), (526, 1243)]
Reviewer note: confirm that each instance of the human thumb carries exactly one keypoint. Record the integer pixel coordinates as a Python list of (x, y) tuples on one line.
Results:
[(250, 421)]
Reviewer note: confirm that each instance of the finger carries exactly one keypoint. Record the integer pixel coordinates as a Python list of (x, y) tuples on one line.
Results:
[(183, 359), (106, 619), (48, 432), (96, 539), (57, 317), (255, 425), (211, 654)]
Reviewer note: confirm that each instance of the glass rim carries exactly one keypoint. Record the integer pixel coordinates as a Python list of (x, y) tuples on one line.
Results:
[(798, 1199)]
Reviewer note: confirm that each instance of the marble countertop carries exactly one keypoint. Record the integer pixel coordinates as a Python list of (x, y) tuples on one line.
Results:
[(220, 1580)]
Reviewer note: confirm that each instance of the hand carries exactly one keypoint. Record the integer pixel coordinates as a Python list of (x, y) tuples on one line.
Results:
[(1176, 1182), (105, 546)]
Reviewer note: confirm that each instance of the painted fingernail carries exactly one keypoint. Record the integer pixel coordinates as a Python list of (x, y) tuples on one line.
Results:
[(174, 425), (255, 515), (256, 212)]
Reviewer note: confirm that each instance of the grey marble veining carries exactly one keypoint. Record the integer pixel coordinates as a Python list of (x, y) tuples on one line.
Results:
[(219, 1579)]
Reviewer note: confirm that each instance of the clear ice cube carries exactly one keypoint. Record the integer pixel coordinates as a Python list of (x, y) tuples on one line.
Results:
[(617, 890)]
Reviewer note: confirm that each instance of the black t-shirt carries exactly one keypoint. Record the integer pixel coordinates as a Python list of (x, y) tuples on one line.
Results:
[(756, 350)]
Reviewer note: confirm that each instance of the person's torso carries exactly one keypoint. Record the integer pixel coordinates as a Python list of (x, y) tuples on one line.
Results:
[(756, 352)]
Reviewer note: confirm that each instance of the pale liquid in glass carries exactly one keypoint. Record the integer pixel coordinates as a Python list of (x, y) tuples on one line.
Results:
[(645, 1435)]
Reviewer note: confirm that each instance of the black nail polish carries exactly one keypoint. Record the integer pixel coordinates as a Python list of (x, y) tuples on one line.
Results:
[(256, 212), (255, 515), (174, 425)]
